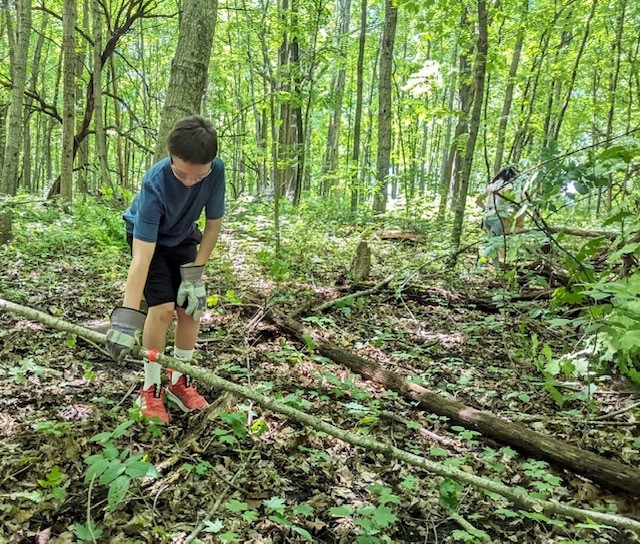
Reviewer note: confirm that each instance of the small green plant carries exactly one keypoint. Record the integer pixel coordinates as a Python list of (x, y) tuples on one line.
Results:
[(371, 520), (55, 428), (237, 421), (116, 468), (53, 481), (88, 373), (542, 481), (467, 435), (88, 532), (26, 367), (201, 467)]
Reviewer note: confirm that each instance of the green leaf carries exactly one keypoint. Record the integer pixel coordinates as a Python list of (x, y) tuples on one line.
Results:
[(249, 516), (101, 437), (87, 532), (54, 478), (59, 494), (449, 490), (110, 451), (303, 509), (275, 504), (122, 428), (229, 536), (384, 516), (117, 490), (96, 469), (115, 469), (213, 526), (409, 482), (236, 506), (141, 469), (311, 346), (341, 511)]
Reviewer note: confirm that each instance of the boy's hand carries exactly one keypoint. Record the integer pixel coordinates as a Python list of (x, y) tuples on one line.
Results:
[(126, 327), (192, 290)]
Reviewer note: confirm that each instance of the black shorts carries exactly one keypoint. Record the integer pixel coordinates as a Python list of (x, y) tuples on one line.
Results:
[(164, 278)]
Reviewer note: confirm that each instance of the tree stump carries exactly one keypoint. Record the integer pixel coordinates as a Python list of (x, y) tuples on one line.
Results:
[(361, 267)]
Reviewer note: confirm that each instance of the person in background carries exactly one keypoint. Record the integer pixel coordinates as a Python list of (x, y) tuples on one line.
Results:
[(502, 211), (168, 256)]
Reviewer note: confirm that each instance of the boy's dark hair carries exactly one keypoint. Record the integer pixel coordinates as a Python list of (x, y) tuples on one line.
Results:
[(193, 139), (507, 174)]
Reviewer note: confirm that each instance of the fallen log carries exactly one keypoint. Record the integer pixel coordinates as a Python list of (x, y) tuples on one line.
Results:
[(516, 496), (607, 473)]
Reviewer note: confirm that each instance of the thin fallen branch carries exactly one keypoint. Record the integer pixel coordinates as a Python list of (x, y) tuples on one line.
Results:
[(609, 415), (322, 307), (523, 499), (607, 473)]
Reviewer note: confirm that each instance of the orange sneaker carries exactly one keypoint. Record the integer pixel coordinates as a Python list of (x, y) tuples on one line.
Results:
[(151, 402), (184, 394)]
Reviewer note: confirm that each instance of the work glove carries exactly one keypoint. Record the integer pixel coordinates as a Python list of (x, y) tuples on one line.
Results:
[(125, 331), (192, 290)]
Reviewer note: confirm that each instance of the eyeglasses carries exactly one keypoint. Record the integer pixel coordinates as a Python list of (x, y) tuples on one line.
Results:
[(186, 177)]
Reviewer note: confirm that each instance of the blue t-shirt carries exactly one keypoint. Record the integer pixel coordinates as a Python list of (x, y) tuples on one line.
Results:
[(165, 211)]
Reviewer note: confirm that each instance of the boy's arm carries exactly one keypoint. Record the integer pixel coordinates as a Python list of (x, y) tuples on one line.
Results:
[(141, 254), (209, 239)]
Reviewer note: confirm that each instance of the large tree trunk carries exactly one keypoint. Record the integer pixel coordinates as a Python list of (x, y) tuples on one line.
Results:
[(189, 67), (384, 107), (10, 168), (609, 474)]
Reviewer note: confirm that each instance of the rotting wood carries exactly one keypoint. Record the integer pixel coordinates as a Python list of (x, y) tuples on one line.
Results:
[(607, 473), (523, 499)]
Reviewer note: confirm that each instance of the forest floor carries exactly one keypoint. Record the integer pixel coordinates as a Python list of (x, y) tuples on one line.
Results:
[(250, 475)]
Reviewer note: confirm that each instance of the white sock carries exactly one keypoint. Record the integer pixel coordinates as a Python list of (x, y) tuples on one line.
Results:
[(152, 374), (183, 355)]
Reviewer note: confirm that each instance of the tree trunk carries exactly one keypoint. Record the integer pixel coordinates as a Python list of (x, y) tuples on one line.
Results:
[(574, 72), (69, 16), (83, 59), (384, 107), (479, 80), (98, 119), (508, 97), (15, 123), (189, 67), (27, 171), (617, 46), (330, 165), (448, 153), (357, 123)]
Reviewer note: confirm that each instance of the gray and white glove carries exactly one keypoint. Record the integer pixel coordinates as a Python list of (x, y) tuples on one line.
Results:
[(192, 290), (125, 331)]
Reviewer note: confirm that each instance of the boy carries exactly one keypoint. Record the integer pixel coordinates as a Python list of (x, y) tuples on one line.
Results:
[(166, 262)]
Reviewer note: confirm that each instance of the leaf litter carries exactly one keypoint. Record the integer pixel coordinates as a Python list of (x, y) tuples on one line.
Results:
[(277, 481)]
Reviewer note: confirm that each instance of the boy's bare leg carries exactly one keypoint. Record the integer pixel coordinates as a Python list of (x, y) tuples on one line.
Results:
[(159, 319), (186, 330)]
